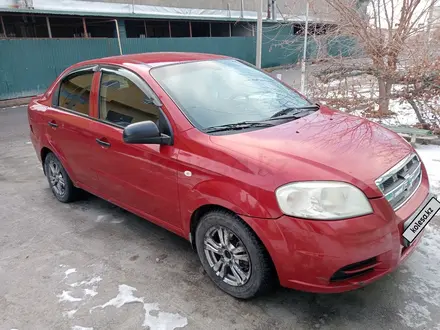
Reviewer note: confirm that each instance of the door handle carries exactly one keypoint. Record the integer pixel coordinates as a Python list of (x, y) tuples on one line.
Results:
[(103, 143), (52, 124)]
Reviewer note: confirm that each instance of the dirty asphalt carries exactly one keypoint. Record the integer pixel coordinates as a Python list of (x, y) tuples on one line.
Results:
[(58, 261)]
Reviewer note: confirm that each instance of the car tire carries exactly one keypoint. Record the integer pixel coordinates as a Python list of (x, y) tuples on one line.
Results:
[(256, 276), (59, 181)]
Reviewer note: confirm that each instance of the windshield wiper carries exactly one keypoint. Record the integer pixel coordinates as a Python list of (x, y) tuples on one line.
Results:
[(237, 126), (295, 111)]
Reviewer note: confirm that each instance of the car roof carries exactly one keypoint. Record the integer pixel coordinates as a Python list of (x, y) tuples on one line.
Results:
[(154, 59)]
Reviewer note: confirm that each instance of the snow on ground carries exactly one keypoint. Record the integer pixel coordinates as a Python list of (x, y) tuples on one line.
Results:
[(415, 315), (404, 115), (430, 155), (94, 280), (365, 89), (69, 271), (85, 292), (422, 269), (65, 296), (69, 314), (125, 296), (161, 321)]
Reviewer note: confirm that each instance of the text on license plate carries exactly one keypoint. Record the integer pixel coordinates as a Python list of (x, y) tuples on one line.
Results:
[(421, 219)]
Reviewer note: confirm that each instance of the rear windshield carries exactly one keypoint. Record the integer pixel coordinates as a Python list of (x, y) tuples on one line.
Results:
[(220, 92)]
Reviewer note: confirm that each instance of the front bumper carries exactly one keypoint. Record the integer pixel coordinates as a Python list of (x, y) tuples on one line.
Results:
[(337, 256)]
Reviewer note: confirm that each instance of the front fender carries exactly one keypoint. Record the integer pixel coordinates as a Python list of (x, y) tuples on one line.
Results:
[(225, 194)]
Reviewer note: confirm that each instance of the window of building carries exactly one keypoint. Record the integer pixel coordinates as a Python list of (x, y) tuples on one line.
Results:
[(158, 29), (66, 27), (179, 29), (200, 29), (122, 103), (220, 29), (136, 28), (313, 29), (2, 31), (24, 26), (75, 92), (241, 29), (101, 28), (297, 29)]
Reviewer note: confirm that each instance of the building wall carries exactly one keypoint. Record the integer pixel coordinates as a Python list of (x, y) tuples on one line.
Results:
[(319, 8), (436, 17), (204, 4)]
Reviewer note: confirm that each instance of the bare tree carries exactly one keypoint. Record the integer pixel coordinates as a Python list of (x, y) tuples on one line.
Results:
[(391, 35), (383, 33)]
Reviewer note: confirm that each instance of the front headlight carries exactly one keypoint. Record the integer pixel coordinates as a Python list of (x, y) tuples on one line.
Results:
[(322, 200)]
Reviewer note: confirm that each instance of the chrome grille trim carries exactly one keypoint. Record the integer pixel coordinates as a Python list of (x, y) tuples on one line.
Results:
[(400, 183), (410, 195)]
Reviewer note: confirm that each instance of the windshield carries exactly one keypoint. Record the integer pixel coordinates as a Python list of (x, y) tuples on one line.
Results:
[(221, 92)]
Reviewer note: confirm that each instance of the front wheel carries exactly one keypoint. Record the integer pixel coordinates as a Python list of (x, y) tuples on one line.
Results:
[(232, 255)]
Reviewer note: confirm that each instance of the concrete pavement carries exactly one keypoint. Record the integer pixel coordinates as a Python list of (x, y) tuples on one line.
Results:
[(92, 265)]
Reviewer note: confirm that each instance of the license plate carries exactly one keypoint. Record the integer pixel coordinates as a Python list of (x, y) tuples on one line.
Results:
[(421, 219)]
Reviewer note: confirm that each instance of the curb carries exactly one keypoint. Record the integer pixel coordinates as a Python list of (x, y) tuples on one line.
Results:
[(280, 67), (14, 102), (423, 141)]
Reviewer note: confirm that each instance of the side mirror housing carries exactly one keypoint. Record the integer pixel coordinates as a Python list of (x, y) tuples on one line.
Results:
[(145, 132)]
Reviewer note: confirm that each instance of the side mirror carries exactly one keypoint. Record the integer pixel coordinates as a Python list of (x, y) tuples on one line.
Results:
[(145, 132)]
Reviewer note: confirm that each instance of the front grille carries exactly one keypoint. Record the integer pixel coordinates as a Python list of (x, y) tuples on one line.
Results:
[(400, 182), (354, 270)]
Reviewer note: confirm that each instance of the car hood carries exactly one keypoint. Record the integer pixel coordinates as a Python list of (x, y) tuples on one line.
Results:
[(326, 145)]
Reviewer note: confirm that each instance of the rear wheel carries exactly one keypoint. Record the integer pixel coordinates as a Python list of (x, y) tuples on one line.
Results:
[(232, 255), (60, 183)]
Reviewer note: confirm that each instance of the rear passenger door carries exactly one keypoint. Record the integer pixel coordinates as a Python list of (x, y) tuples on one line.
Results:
[(141, 178), (69, 126)]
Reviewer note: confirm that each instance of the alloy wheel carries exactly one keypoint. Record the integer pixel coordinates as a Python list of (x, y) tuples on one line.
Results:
[(227, 256), (57, 180)]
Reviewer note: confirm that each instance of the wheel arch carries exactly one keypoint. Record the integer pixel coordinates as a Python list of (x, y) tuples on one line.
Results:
[(198, 214), (43, 154)]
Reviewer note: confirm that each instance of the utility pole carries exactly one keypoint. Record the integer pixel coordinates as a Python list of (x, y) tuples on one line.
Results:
[(259, 33), (303, 64), (274, 10), (118, 35), (49, 31)]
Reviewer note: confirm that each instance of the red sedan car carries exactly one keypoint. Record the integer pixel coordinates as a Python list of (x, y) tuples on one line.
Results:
[(265, 185)]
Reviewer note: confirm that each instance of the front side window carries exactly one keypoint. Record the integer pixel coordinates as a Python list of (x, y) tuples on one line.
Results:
[(75, 92), (122, 103), (222, 92)]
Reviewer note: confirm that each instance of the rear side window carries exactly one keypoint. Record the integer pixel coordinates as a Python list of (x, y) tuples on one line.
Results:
[(122, 103), (75, 92)]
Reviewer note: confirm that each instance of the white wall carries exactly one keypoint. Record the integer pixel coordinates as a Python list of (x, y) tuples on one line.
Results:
[(318, 8)]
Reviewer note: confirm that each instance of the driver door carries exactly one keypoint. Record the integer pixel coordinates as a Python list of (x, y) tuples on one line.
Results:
[(141, 178)]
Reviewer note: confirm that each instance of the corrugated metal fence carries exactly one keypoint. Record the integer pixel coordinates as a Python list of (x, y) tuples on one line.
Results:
[(28, 66)]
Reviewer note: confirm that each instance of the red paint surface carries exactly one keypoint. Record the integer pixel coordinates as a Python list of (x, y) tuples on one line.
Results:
[(240, 172)]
